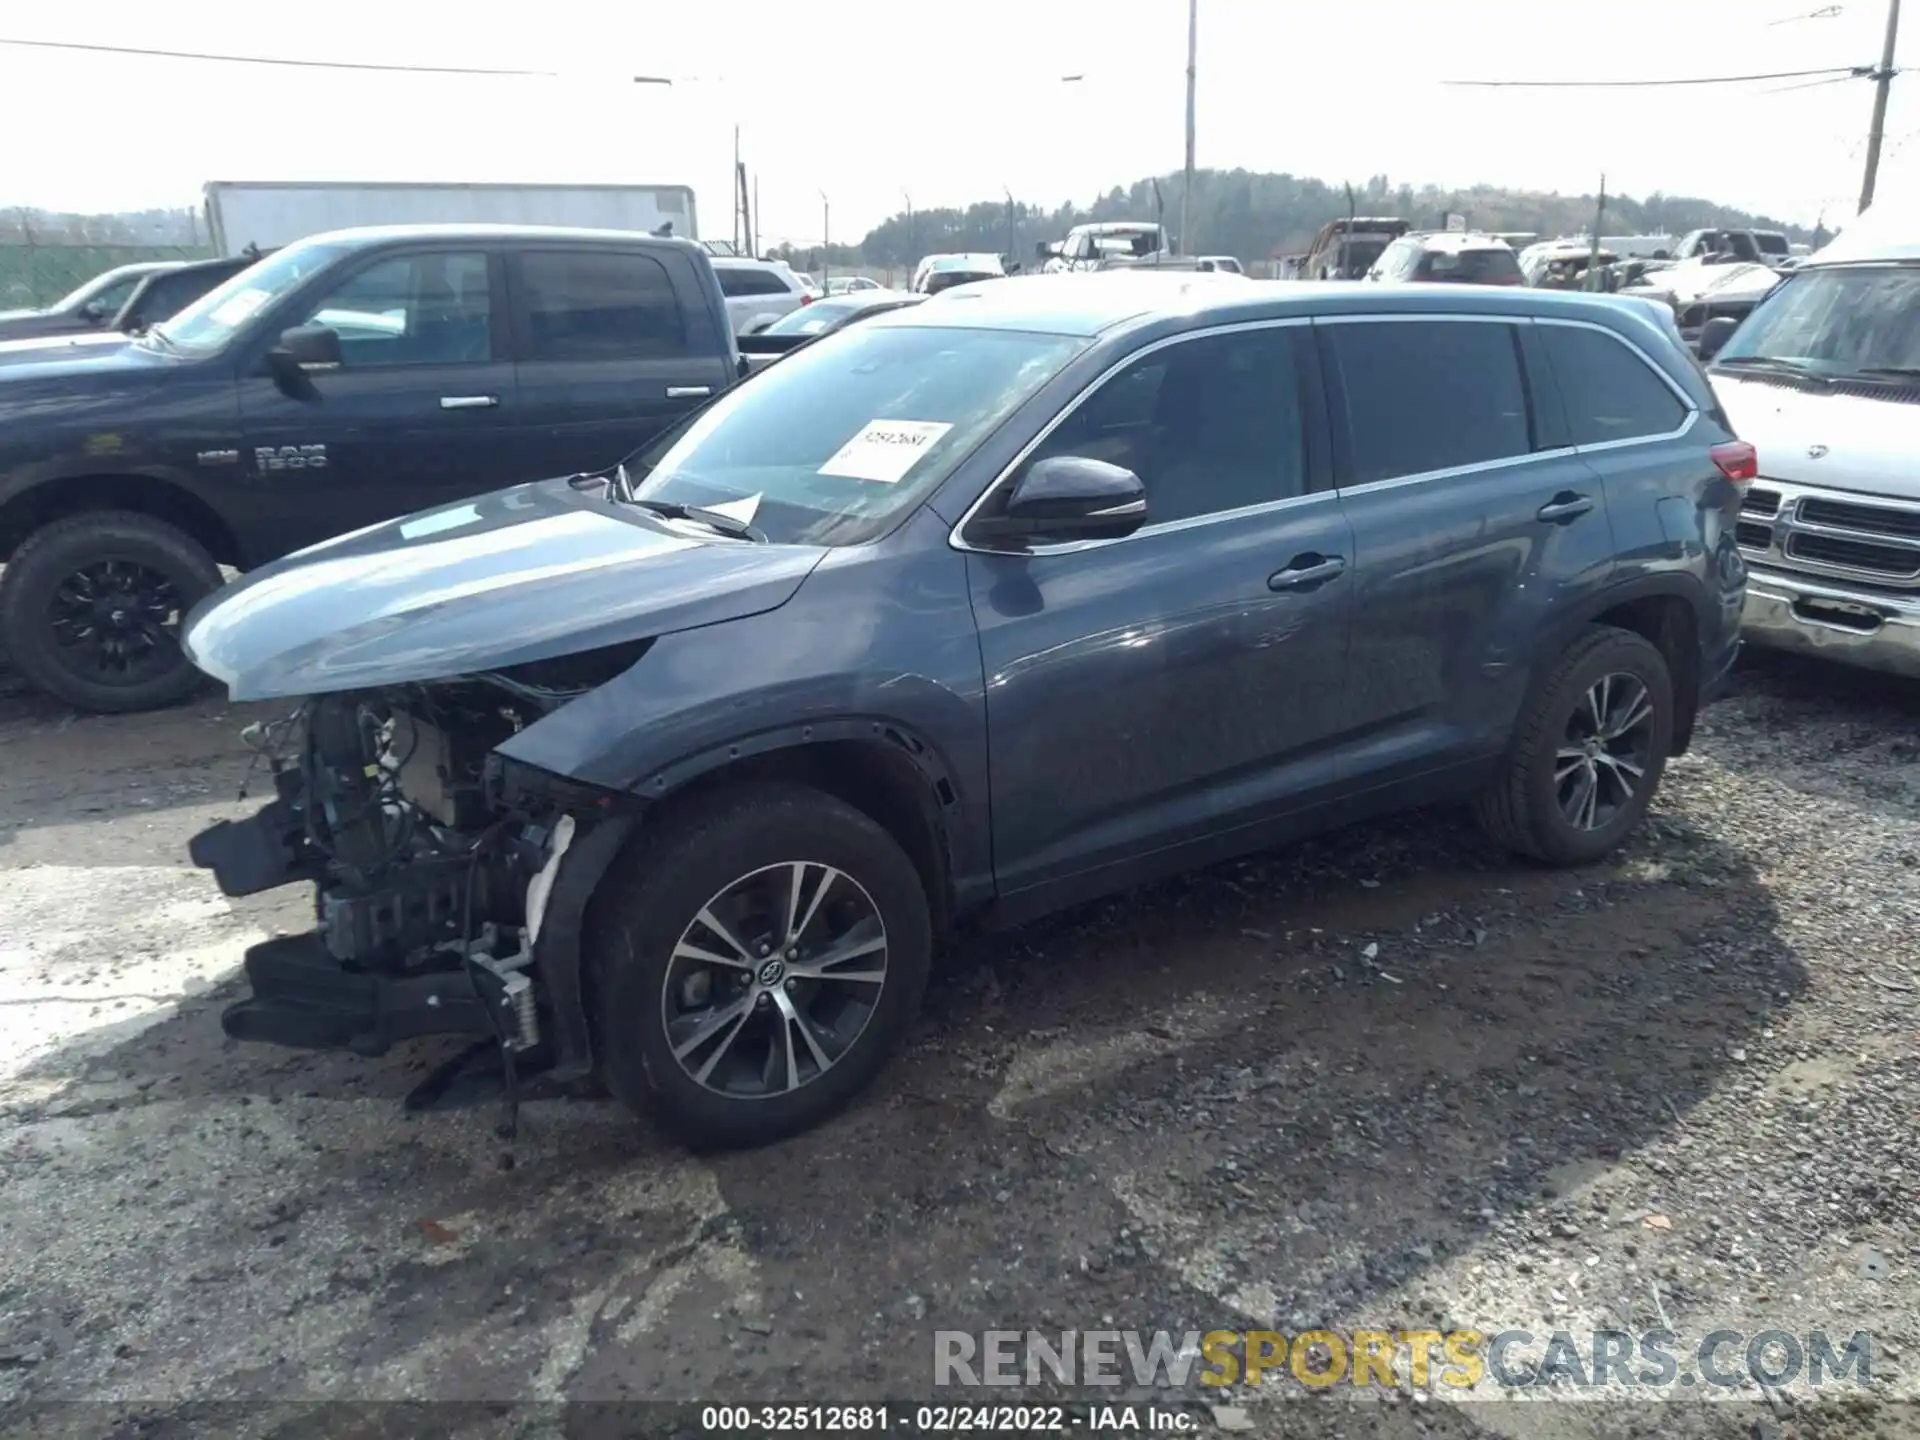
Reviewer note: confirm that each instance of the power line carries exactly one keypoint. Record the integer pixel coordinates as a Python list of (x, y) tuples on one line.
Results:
[(263, 59), (1808, 84), (1844, 72)]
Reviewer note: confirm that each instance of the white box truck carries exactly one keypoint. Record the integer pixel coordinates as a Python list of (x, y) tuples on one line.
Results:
[(270, 213)]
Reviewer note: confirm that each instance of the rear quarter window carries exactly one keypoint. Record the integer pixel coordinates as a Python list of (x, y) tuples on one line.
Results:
[(742, 281), (1610, 393)]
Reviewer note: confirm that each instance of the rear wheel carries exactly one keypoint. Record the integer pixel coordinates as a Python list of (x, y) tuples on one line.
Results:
[(91, 608), (768, 951), (1588, 754)]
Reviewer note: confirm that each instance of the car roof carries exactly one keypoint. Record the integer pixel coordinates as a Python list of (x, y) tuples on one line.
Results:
[(1092, 303), (1458, 240), (382, 234)]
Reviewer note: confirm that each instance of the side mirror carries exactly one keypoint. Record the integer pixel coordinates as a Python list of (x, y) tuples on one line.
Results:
[(303, 349), (1715, 334), (1068, 497), (311, 347)]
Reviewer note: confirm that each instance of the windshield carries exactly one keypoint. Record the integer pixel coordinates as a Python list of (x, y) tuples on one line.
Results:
[(812, 319), (1838, 322), (1771, 243), (1472, 267), (948, 279), (1358, 253), (211, 321), (109, 290), (831, 445)]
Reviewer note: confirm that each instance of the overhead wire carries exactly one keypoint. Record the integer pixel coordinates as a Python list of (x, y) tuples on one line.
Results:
[(98, 49), (1842, 72)]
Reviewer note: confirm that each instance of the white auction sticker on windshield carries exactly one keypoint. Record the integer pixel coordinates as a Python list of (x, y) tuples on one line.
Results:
[(885, 450)]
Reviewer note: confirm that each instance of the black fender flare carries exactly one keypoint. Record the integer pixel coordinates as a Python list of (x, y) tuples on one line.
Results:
[(967, 846), (558, 953), (1667, 585)]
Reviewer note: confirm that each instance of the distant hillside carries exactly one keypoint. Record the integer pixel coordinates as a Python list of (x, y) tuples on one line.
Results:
[(127, 227), (1257, 216)]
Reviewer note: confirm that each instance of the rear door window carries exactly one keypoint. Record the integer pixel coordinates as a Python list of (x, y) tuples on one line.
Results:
[(1425, 395), (1610, 393), (597, 305)]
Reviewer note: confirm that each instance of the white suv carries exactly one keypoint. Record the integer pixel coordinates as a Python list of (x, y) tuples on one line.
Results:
[(759, 292)]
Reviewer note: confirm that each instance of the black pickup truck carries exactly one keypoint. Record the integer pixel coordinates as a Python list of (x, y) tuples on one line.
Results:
[(340, 381)]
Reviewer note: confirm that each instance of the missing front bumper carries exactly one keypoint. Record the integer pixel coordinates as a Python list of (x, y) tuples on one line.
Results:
[(303, 997)]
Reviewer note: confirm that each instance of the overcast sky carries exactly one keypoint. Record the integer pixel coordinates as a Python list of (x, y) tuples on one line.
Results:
[(867, 99)]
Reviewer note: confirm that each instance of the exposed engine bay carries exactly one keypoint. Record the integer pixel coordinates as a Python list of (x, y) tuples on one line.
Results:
[(434, 863)]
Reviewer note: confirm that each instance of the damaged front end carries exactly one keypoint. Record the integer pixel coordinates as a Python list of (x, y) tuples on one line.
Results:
[(451, 882)]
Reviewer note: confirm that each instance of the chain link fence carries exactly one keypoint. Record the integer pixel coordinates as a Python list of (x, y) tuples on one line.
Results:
[(34, 274)]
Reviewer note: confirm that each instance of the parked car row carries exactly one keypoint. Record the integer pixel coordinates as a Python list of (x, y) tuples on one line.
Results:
[(124, 300), (674, 768)]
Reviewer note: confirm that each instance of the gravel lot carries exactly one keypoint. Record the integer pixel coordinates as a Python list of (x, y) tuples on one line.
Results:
[(1387, 1079)]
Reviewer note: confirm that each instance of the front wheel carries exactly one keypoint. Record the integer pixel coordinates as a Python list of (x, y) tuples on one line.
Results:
[(92, 606), (767, 951), (1588, 753)]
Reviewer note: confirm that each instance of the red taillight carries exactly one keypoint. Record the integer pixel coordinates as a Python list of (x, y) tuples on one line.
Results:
[(1737, 460), (806, 299)]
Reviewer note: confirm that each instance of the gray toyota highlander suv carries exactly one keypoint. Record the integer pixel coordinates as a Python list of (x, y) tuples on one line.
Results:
[(677, 773)]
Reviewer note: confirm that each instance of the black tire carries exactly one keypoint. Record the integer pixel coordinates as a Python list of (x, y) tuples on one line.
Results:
[(668, 877), (1522, 809), (52, 556)]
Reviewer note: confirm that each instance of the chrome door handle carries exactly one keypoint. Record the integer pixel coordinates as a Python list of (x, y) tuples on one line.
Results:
[(688, 392), (1305, 572), (1565, 506), (468, 402)]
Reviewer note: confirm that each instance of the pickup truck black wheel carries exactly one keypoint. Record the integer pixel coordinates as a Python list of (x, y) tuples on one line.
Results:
[(1588, 753), (766, 950), (91, 608)]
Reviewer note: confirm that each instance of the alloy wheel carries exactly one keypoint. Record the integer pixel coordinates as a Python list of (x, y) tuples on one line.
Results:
[(1604, 751), (116, 622), (774, 979)]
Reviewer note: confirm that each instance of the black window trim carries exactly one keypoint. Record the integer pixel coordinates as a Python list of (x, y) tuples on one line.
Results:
[(298, 304), (1313, 414), (520, 309), (1690, 412)]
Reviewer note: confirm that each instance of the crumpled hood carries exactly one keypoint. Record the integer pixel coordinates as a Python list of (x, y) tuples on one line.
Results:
[(1864, 444), (529, 573)]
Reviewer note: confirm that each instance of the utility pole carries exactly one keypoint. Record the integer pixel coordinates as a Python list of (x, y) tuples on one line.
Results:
[(1883, 77), (911, 257), (753, 235), (1593, 254), (1186, 190), (826, 238), (1010, 244), (738, 194)]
